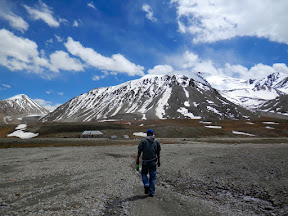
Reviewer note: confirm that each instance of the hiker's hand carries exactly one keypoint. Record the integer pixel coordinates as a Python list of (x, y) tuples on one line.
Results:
[(137, 161), (158, 163)]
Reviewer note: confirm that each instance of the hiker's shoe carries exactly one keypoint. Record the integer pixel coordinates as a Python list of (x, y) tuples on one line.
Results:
[(150, 195), (147, 190)]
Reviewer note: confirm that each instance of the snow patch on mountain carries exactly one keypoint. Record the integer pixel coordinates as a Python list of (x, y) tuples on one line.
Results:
[(186, 104), (185, 112), (163, 103)]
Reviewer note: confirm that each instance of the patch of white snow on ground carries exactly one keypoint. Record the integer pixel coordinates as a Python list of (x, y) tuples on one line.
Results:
[(185, 112), (203, 122), (109, 120), (141, 134), (249, 123), (141, 125), (270, 123), (21, 127), (212, 126), (23, 135), (268, 127), (242, 133), (286, 114), (144, 117)]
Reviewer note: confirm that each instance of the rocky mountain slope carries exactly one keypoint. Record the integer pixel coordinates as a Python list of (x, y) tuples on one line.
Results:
[(150, 97), (19, 106), (278, 105)]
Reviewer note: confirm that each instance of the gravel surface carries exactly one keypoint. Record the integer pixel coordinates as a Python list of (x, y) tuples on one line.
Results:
[(195, 178)]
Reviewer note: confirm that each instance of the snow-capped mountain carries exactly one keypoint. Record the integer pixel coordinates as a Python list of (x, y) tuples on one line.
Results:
[(161, 97), (277, 81), (150, 97), (19, 106), (251, 94)]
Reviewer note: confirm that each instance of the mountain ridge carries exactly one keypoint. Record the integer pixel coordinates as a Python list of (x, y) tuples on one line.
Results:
[(13, 109), (150, 97), (165, 96)]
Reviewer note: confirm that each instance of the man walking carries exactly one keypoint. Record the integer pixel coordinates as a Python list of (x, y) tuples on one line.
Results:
[(150, 147)]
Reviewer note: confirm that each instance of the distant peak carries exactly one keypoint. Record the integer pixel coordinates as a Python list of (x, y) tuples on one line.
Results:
[(19, 96)]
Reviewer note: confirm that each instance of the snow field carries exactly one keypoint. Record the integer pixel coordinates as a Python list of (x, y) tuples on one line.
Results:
[(21, 133)]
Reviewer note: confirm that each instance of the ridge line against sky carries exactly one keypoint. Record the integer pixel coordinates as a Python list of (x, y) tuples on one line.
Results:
[(54, 50)]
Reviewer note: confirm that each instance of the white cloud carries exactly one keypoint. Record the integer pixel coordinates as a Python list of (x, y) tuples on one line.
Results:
[(15, 21), (75, 24), (6, 85), (61, 60), (47, 104), (49, 41), (61, 20), (21, 54), (236, 71), (117, 63), (189, 60), (91, 5), (60, 93), (96, 77), (149, 12), (190, 63), (161, 70), (44, 13), (210, 21), (18, 53), (261, 70), (58, 38), (280, 67), (206, 66), (113, 73)]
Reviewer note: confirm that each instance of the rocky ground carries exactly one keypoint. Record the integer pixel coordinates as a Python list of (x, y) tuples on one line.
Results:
[(196, 178)]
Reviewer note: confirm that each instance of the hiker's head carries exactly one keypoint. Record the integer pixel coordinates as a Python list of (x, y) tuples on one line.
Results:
[(149, 132)]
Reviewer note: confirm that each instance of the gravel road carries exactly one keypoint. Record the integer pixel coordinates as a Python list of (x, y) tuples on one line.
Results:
[(195, 178)]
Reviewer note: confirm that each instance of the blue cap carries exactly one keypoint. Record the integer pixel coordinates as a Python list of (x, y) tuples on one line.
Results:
[(149, 132)]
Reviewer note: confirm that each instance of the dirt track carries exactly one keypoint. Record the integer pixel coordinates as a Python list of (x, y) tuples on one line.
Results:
[(196, 178)]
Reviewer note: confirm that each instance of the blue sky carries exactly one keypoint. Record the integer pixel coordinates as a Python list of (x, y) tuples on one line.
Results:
[(55, 50)]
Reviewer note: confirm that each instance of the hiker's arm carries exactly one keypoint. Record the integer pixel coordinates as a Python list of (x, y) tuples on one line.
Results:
[(158, 154), (137, 160), (140, 149)]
